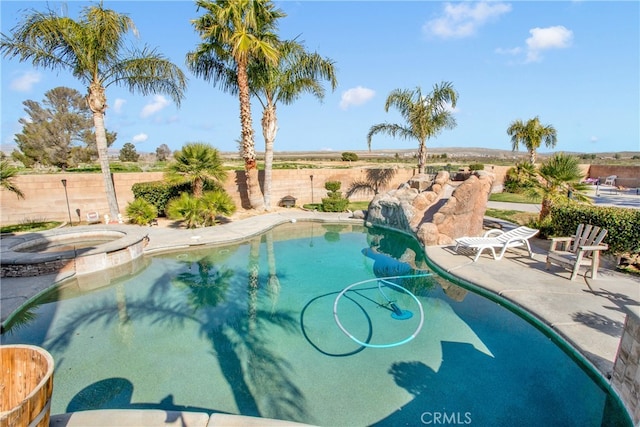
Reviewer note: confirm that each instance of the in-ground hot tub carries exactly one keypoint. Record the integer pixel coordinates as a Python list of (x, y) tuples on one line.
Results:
[(78, 250)]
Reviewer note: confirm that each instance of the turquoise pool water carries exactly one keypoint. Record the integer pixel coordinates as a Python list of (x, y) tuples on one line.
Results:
[(249, 329)]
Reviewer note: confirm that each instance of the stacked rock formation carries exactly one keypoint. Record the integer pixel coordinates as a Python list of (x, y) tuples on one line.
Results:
[(435, 211)]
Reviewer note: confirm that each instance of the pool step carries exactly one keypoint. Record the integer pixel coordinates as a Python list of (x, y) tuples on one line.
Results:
[(159, 418)]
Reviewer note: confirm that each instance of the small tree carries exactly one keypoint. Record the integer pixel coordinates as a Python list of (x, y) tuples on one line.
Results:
[(520, 177), (334, 202), (128, 153), (348, 156), (163, 153)]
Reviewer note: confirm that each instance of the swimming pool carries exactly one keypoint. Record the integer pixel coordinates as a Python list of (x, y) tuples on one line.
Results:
[(250, 329)]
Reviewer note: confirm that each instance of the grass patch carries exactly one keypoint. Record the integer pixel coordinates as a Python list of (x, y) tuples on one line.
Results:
[(513, 198), (353, 206), (30, 226), (517, 217)]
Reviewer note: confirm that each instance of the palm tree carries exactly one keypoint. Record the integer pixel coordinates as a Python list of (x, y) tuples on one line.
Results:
[(92, 49), (7, 174), (561, 176), (425, 116), (295, 73), (196, 163), (234, 34), (531, 134)]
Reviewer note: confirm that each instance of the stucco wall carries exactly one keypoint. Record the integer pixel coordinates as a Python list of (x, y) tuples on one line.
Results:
[(628, 176)]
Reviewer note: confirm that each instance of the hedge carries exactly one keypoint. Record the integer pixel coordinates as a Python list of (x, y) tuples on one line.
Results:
[(622, 224), (159, 193)]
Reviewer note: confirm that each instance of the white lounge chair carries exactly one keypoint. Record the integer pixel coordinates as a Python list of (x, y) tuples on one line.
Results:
[(498, 239), (583, 248)]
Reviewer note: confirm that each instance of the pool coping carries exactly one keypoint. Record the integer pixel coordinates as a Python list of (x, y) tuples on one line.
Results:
[(586, 340)]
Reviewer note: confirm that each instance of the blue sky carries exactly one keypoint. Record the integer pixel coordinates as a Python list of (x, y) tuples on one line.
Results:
[(575, 64)]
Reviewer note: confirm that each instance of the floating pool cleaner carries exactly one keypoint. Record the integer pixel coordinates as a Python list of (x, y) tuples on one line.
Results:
[(396, 312)]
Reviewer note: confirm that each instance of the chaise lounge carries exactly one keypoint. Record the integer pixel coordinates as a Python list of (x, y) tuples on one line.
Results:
[(498, 239)]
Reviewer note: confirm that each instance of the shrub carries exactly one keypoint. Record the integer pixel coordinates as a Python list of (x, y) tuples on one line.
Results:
[(519, 178), (623, 224), (200, 212), (332, 186), (348, 156), (476, 167), (159, 193), (141, 212), (334, 202)]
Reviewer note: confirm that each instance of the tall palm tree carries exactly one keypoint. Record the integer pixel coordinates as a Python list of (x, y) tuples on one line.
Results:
[(425, 116), (92, 48), (531, 134), (561, 176), (295, 73), (234, 33), (196, 163), (7, 174)]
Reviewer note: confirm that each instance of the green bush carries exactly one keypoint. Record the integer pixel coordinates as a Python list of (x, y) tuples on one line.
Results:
[(348, 156), (519, 178), (476, 167), (332, 186), (334, 202), (623, 224), (159, 193), (330, 204), (200, 212), (141, 212)]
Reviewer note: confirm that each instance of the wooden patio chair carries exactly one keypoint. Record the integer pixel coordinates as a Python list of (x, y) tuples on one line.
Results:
[(581, 249)]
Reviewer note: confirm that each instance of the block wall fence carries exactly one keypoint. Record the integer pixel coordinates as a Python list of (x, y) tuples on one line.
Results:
[(45, 196)]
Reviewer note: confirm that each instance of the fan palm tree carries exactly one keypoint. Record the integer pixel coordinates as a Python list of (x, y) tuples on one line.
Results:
[(234, 34), (425, 116), (7, 175), (295, 73), (561, 176), (532, 134), (92, 48), (196, 163)]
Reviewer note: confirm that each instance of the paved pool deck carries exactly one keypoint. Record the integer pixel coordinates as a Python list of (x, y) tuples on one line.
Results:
[(587, 313)]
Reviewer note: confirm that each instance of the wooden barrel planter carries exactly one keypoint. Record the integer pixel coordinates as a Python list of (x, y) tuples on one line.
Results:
[(25, 386)]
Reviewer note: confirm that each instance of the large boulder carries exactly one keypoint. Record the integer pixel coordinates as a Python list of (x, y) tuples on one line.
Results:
[(404, 208), (437, 213)]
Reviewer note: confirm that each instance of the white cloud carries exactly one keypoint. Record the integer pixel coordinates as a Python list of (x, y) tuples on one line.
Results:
[(141, 137), (159, 102), (118, 104), (356, 96), (25, 82), (558, 37), (463, 19)]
